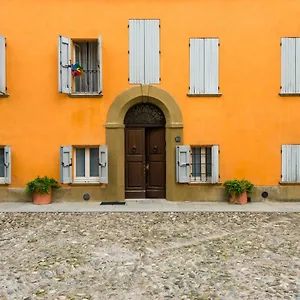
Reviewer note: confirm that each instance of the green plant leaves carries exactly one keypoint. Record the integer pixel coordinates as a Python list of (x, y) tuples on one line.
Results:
[(237, 187), (41, 185)]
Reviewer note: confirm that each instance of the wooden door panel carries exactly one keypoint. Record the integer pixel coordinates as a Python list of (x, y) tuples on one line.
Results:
[(155, 159), (135, 163)]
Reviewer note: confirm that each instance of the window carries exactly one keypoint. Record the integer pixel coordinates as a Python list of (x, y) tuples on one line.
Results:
[(290, 163), (2, 66), (201, 164), (86, 165), (144, 51), (204, 66), (5, 165), (89, 55), (197, 164), (90, 164), (290, 66)]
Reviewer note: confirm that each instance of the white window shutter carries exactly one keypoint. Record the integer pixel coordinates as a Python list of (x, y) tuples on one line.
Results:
[(197, 66), (290, 163), (2, 65), (64, 65), (288, 65), (7, 165), (136, 51), (66, 164), (183, 164), (152, 51), (211, 66), (204, 66), (215, 164), (100, 64), (103, 164), (297, 65)]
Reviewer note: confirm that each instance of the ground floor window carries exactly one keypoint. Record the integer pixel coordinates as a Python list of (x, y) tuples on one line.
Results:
[(201, 157), (86, 165)]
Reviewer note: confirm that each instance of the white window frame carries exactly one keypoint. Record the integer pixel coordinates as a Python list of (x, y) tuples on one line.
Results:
[(86, 179), (205, 178)]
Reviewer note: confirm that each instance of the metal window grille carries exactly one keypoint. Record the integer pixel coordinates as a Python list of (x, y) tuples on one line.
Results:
[(201, 164), (1, 162), (86, 53)]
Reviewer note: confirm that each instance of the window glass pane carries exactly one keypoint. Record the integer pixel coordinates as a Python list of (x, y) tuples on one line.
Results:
[(208, 161), (1, 162), (196, 161), (80, 162), (94, 165)]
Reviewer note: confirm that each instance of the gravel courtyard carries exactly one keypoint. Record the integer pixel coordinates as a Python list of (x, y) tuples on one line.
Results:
[(149, 256)]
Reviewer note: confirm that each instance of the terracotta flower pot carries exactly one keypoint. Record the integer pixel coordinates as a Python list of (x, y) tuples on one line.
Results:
[(41, 198), (241, 199)]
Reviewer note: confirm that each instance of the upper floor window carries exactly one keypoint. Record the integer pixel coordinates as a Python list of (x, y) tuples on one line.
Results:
[(290, 66), (89, 56), (144, 51), (204, 66)]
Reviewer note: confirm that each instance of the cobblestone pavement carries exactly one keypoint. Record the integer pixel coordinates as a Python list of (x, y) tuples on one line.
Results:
[(149, 256)]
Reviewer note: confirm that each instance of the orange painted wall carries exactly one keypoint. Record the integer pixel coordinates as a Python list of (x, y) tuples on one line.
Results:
[(249, 122)]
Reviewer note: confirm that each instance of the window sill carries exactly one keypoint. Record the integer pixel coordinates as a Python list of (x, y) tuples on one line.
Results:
[(288, 183), (204, 183), (78, 95), (205, 95), (289, 94), (4, 95), (85, 183)]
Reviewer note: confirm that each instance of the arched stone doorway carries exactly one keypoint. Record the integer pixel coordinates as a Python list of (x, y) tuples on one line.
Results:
[(145, 157), (115, 136)]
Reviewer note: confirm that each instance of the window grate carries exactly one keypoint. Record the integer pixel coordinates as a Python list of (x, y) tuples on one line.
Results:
[(86, 53), (201, 164), (1, 162)]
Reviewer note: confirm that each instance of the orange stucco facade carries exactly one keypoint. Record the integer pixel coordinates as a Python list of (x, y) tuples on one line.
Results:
[(250, 121)]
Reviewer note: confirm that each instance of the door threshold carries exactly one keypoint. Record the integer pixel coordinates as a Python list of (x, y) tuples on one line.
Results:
[(146, 199)]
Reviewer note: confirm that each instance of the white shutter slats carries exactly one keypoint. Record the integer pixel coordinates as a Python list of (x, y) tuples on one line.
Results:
[(290, 65), (66, 164), (100, 64), (103, 164), (7, 165), (290, 163), (183, 163), (64, 65), (136, 51), (204, 66), (152, 56), (2, 65), (215, 164)]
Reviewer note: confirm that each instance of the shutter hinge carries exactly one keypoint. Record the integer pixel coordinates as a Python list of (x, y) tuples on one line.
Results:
[(218, 88), (128, 26), (159, 26), (128, 79), (189, 45), (280, 87), (159, 79), (280, 176), (128, 51), (280, 44), (280, 151), (159, 52), (219, 44)]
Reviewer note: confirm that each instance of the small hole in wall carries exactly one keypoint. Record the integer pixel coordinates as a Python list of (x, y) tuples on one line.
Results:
[(86, 197), (264, 194)]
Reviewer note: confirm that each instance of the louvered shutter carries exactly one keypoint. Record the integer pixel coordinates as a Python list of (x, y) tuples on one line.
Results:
[(100, 64), (183, 164), (290, 65), (215, 164), (2, 65), (204, 66), (103, 164), (64, 65), (7, 165), (152, 51), (290, 163), (66, 164), (136, 51)]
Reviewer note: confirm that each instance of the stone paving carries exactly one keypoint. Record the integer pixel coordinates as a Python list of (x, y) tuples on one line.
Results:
[(161, 255)]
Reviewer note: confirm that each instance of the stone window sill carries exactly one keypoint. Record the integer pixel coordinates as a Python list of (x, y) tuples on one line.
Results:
[(4, 95), (289, 94), (78, 95), (288, 183), (205, 95)]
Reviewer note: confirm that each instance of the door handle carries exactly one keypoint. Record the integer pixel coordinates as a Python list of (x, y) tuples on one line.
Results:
[(147, 167)]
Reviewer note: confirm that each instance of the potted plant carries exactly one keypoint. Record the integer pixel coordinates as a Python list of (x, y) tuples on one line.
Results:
[(40, 188), (238, 190)]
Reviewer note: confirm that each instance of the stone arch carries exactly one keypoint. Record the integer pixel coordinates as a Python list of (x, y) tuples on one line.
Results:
[(115, 190)]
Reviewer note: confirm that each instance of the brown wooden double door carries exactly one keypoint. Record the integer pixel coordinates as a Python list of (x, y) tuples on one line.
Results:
[(145, 163)]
